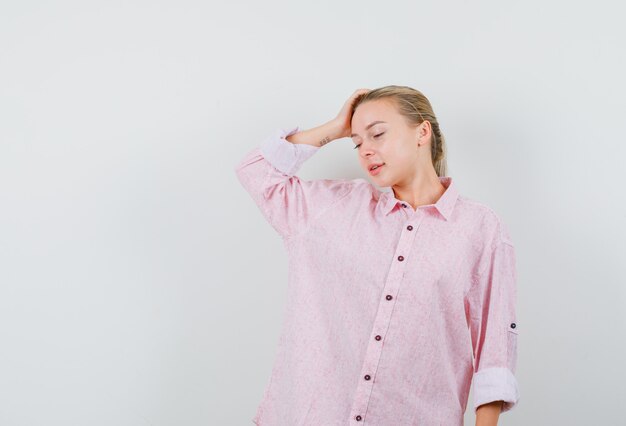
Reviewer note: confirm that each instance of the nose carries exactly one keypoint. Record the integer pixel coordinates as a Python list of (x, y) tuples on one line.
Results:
[(365, 152)]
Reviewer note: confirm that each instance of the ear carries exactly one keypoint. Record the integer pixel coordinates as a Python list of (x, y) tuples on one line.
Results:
[(423, 132)]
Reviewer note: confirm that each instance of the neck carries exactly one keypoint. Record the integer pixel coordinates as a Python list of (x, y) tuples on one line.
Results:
[(421, 191)]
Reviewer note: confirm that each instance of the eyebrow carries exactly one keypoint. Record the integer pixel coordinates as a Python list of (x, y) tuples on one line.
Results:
[(368, 126)]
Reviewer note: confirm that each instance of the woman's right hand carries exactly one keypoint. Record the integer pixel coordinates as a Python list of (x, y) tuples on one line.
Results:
[(344, 118)]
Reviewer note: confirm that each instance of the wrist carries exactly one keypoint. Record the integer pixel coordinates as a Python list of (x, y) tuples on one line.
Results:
[(333, 129)]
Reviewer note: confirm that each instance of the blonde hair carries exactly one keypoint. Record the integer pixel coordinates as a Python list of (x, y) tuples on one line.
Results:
[(415, 108)]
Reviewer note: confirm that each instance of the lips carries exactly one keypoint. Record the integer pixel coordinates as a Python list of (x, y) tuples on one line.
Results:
[(375, 171), (375, 165)]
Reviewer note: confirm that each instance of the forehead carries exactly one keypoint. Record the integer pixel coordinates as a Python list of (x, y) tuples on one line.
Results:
[(376, 110)]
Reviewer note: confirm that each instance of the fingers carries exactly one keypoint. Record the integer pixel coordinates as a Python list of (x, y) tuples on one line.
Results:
[(358, 93), (347, 109)]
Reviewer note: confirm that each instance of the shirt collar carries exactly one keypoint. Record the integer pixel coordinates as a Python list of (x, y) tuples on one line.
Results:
[(445, 204)]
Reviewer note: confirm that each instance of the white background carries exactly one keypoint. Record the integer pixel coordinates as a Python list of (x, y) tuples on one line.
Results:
[(140, 285)]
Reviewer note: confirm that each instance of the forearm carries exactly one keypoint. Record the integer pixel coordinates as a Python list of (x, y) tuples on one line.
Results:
[(487, 414), (317, 136)]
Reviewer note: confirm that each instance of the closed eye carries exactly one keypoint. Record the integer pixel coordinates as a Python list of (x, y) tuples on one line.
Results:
[(380, 134)]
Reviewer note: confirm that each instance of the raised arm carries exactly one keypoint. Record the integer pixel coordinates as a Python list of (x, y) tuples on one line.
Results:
[(268, 173)]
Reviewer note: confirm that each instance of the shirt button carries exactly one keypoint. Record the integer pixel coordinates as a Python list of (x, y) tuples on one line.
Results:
[(410, 228), (389, 297), (400, 258), (358, 418), (367, 377), (378, 337), (403, 205), (513, 325)]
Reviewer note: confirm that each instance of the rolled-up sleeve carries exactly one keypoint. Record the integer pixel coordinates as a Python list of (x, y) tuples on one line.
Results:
[(493, 326), (288, 203)]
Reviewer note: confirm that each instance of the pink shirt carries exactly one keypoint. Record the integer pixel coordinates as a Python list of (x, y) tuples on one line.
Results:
[(392, 313)]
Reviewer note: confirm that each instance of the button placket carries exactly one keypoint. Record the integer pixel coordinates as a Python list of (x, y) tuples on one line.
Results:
[(381, 322)]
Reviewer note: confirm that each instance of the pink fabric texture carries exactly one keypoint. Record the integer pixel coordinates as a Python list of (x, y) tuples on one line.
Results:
[(392, 312)]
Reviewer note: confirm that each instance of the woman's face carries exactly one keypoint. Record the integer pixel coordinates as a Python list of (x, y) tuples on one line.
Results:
[(390, 141)]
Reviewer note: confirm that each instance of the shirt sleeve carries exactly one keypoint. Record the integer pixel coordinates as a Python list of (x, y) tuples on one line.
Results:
[(288, 203), (493, 326)]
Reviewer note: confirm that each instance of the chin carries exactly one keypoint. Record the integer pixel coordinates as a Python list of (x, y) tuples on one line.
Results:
[(378, 180)]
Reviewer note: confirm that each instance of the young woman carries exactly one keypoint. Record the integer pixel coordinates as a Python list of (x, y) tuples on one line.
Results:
[(398, 301)]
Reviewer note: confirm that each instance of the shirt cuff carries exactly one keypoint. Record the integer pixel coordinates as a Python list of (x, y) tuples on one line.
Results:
[(495, 384), (284, 155)]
